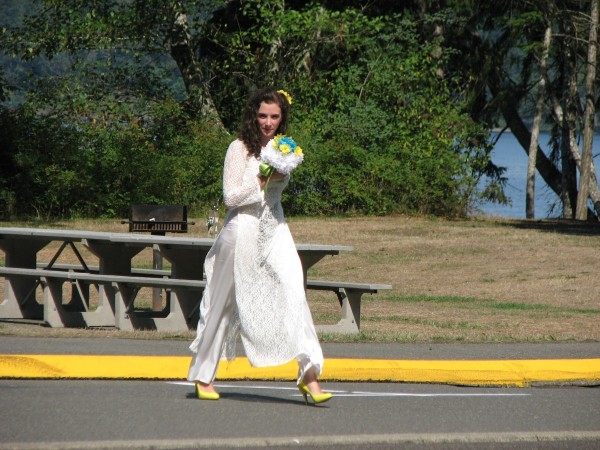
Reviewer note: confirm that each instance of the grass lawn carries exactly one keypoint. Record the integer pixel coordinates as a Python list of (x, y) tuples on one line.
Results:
[(491, 280)]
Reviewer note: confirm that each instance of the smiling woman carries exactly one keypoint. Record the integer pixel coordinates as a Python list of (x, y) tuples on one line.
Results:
[(254, 278), (268, 119)]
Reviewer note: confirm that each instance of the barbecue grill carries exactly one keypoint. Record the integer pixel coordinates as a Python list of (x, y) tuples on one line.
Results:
[(158, 219)]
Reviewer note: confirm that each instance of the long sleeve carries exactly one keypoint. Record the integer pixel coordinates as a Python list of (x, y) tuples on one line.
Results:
[(240, 187)]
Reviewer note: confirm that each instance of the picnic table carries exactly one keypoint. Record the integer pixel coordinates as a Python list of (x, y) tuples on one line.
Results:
[(118, 282)]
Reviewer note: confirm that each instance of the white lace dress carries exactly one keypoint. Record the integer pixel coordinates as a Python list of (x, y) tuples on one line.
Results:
[(270, 311)]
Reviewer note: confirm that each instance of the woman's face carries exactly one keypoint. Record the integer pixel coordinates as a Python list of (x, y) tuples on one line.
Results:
[(268, 119)]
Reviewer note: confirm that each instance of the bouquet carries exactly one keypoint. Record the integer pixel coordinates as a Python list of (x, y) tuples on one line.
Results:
[(281, 154)]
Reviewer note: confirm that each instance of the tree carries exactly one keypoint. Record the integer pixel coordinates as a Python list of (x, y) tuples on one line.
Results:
[(501, 85), (375, 103), (537, 120), (590, 113), (146, 30)]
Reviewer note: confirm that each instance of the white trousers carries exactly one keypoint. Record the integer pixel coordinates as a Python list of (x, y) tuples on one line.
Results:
[(218, 313)]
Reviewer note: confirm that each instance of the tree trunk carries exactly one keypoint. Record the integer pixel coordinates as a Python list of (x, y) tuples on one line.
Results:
[(535, 131), (588, 125), (569, 174), (567, 121), (547, 170), (181, 49), (565, 113)]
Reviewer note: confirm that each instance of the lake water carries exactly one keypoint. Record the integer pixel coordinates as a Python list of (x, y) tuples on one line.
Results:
[(508, 153)]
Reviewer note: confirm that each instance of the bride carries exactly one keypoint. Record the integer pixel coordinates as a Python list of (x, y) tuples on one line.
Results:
[(254, 281)]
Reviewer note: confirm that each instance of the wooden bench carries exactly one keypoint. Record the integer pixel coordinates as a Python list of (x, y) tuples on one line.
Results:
[(349, 295), (181, 311), (95, 269), (114, 253), (121, 291)]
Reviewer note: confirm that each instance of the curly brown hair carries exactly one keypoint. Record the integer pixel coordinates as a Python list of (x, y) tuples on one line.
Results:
[(249, 132)]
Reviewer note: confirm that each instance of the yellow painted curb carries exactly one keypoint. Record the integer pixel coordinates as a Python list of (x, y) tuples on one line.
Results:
[(474, 372)]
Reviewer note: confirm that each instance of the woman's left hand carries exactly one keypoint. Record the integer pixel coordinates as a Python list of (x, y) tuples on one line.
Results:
[(276, 176)]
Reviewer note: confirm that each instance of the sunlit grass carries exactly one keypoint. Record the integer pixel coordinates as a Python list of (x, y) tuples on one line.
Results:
[(490, 303), (453, 280)]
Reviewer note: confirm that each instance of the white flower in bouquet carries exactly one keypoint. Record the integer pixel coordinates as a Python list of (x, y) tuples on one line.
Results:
[(281, 154)]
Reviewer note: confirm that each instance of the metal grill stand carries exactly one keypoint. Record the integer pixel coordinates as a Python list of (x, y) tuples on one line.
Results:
[(158, 220)]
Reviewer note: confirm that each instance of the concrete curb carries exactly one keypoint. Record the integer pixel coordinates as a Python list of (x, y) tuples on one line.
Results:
[(529, 440), (518, 373)]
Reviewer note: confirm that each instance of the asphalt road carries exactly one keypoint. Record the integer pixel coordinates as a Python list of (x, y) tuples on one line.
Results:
[(162, 415), (135, 414), (501, 351)]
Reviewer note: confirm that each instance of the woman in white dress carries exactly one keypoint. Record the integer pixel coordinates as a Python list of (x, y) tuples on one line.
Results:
[(254, 281)]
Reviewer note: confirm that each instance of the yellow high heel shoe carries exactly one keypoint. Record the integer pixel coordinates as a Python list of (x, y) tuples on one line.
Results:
[(316, 398), (206, 395)]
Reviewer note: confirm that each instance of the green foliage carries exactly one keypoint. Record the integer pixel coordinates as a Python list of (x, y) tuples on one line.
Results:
[(381, 124), (99, 167), (380, 127), (44, 172), (389, 138)]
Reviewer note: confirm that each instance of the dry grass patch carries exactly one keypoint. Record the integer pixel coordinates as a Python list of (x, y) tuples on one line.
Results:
[(463, 280)]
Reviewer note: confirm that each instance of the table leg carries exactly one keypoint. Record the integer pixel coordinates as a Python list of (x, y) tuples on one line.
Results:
[(113, 260), (20, 292), (187, 263), (55, 313)]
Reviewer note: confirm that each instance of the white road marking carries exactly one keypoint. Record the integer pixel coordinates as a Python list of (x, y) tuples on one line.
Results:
[(342, 393)]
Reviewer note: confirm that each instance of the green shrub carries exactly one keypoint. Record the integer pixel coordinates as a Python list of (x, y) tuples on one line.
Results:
[(390, 138), (98, 168)]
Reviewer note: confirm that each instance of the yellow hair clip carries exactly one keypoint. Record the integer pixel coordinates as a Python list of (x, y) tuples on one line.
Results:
[(287, 96)]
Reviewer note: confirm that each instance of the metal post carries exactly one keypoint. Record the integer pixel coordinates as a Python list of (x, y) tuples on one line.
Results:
[(157, 264)]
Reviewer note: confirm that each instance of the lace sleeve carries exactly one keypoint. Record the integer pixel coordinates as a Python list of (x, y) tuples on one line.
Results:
[(239, 190)]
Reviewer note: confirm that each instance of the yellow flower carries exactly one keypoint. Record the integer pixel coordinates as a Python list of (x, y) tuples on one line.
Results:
[(285, 149), (298, 151), (287, 96)]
